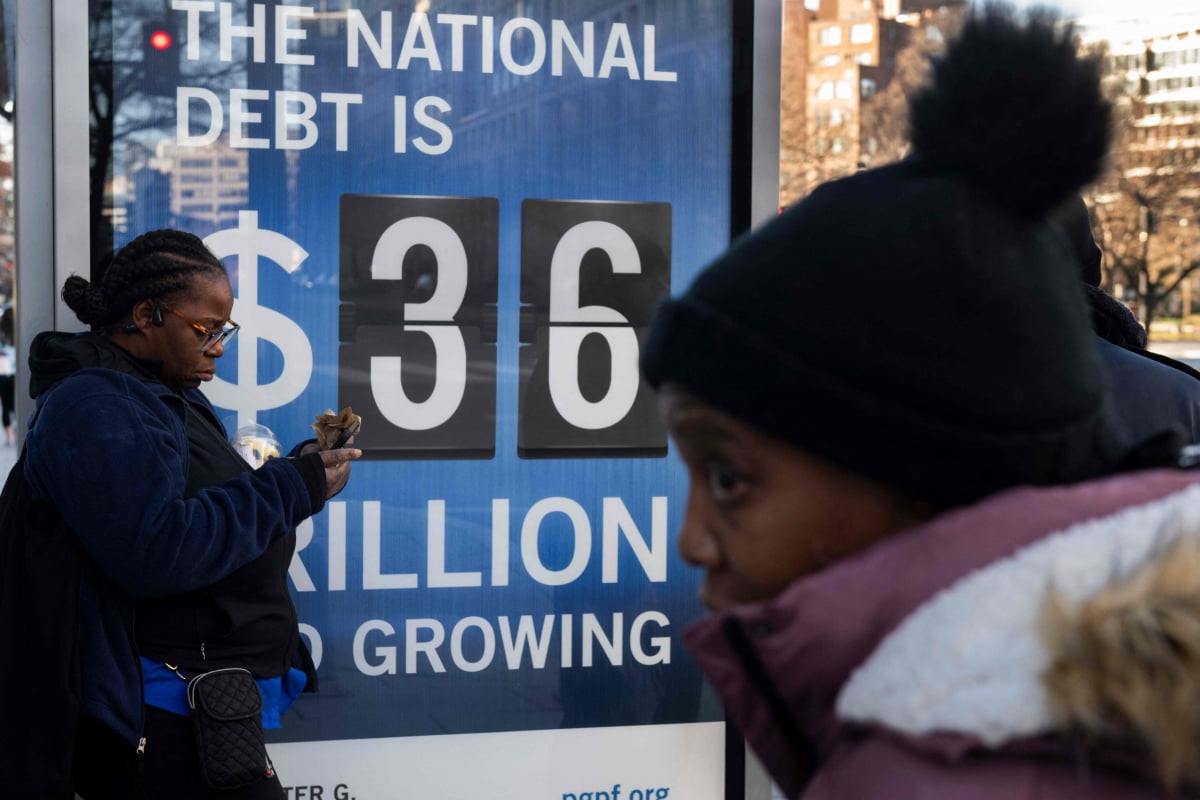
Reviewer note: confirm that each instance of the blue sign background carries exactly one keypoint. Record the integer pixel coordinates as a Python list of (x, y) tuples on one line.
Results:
[(515, 138)]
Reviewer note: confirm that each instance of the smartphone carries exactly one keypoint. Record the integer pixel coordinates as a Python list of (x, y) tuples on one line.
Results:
[(346, 434)]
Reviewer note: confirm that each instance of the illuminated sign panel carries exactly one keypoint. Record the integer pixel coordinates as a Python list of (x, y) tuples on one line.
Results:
[(457, 219)]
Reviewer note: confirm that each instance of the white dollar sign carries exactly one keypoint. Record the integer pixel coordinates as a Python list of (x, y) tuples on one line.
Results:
[(248, 242)]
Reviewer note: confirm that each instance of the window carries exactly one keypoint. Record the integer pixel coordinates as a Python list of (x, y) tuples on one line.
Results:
[(842, 90), (866, 58), (837, 116), (862, 33), (867, 86), (825, 92), (830, 36), (831, 60), (838, 145)]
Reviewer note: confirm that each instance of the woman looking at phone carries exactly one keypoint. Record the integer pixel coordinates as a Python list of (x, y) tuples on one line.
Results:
[(184, 549)]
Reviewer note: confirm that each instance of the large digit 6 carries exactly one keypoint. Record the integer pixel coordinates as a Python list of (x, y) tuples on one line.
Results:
[(565, 341), (387, 263)]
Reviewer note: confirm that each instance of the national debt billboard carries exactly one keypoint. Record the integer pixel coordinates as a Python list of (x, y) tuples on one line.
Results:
[(457, 217)]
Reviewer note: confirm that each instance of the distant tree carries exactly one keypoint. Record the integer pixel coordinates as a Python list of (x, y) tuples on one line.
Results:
[(792, 97), (884, 125), (120, 105), (879, 133), (1145, 215), (7, 23)]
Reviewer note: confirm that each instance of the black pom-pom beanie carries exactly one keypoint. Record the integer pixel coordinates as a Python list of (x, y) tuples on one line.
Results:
[(911, 323)]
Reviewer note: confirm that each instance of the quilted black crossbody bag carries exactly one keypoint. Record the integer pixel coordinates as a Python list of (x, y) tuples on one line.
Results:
[(227, 718)]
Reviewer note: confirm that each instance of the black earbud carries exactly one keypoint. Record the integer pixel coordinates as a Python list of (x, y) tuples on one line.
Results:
[(156, 319)]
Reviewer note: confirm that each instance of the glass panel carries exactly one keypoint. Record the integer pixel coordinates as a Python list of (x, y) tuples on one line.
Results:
[(459, 223)]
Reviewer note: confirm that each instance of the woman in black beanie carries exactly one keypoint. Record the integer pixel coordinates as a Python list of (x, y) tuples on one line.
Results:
[(928, 583)]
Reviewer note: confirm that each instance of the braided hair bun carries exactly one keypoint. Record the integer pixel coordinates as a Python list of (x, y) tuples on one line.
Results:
[(153, 266)]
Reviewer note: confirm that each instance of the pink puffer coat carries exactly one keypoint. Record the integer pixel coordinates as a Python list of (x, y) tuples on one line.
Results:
[(1039, 644)]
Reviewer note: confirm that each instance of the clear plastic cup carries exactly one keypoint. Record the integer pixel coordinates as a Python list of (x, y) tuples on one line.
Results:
[(255, 443)]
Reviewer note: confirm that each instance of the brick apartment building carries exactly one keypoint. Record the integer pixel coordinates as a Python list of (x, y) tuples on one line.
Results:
[(838, 56)]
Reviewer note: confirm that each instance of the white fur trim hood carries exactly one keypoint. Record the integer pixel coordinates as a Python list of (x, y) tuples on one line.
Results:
[(970, 659)]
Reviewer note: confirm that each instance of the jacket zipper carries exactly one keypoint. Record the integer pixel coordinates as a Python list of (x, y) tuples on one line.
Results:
[(137, 658)]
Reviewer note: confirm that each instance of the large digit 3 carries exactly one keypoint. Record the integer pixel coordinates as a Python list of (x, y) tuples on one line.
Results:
[(565, 340), (387, 263)]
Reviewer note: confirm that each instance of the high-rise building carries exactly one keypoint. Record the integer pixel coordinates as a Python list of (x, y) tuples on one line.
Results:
[(1147, 207), (852, 51), (209, 185), (1153, 70)]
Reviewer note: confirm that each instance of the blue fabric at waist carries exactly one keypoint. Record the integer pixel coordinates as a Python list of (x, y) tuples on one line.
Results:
[(162, 688)]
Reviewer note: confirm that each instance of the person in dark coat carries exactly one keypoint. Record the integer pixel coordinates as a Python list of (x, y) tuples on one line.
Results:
[(1151, 392), (169, 552), (937, 567)]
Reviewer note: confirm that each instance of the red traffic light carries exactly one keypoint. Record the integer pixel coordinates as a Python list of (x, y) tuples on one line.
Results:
[(160, 40)]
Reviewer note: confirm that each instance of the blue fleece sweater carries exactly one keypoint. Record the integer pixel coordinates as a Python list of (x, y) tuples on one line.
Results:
[(110, 451)]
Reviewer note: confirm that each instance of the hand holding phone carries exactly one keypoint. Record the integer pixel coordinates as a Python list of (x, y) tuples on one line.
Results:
[(334, 431), (342, 440)]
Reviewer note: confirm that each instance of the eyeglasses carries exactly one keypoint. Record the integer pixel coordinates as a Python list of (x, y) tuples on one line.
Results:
[(211, 338)]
